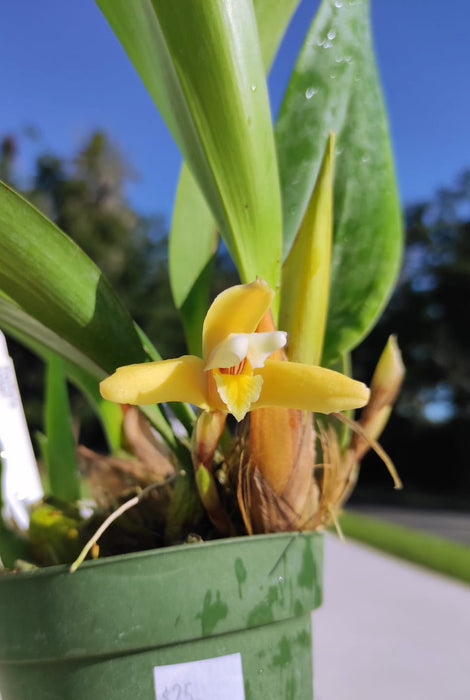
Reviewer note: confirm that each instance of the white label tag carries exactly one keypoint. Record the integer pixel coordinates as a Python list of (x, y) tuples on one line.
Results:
[(20, 478), (220, 678)]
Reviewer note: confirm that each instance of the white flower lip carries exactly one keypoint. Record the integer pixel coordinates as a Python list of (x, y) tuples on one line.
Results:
[(255, 347)]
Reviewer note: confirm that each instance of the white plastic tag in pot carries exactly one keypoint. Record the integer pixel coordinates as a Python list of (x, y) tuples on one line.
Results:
[(21, 485)]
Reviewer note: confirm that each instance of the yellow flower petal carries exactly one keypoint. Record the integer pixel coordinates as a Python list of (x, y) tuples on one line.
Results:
[(262, 345), (310, 388), (238, 391), (238, 309), (181, 379)]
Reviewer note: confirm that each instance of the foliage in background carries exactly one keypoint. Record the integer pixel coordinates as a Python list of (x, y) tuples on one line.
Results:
[(427, 433)]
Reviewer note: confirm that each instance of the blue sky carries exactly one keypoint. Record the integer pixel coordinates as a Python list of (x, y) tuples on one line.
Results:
[(65, 73)]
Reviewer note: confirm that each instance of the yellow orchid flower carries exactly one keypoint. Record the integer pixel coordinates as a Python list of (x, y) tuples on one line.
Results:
[(235, 374)]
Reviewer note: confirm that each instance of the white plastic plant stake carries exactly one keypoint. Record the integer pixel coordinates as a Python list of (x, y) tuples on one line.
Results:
[(21, 485)]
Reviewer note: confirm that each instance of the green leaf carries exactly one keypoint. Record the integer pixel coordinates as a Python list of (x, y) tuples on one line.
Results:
[(185, 509), (272, 19), (334, 86), (306, 271), (54, 295), (34, 334), (84, 374), (110, 416), (202, 65), (193, 235), (60, 288), (61, 459), (13, 546), (187, 249), (192, 246)]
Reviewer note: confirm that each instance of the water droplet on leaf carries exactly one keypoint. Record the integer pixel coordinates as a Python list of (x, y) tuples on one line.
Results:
[(310, 92)]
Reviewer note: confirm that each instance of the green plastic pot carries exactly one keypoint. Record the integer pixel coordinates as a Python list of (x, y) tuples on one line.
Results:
[(99, 633)]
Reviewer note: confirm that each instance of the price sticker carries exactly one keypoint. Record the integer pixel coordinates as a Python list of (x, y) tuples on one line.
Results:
[(220, 678)]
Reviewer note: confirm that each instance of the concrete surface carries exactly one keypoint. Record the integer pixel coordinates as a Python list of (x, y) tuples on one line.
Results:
[(389, 630)]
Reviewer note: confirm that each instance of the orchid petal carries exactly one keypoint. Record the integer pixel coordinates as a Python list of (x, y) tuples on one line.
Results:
[(262, 345), (230, 352), (238, 309), (256, 347), (181, 379), (310, 388), (238, 391)]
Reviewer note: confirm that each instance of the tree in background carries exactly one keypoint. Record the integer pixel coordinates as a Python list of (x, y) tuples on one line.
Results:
[(429, 313), (7, 156)]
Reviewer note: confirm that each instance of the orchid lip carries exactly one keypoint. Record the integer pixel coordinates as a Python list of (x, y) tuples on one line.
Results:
[(236, 347)]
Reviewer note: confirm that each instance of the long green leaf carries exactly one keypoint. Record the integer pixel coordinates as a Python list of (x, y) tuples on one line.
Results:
[(60, 288), (60, 453), (272, 19), (85, 376), (24, 328), (334, 86), (55, 295), (82, 372), (192, 246), (201, 63), (193, 235)]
